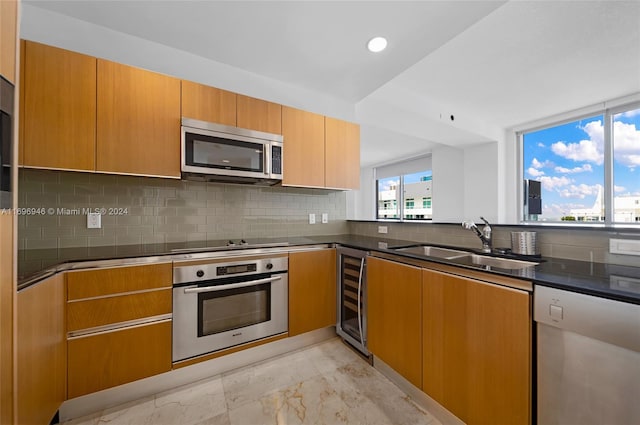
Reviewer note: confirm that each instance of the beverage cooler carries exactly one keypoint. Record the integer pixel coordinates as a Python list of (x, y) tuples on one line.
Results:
[(352, 298)]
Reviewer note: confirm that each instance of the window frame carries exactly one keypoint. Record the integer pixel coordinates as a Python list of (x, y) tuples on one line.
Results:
[(608, 163)]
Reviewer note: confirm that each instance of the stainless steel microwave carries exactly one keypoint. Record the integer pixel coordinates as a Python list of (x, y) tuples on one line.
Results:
[(214, 152)]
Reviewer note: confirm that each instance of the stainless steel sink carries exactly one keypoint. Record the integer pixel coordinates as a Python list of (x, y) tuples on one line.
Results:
[(468, 258), (500, 263), (434, 251)]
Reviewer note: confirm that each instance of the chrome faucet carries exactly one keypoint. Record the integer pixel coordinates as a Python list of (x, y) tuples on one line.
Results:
[(484, 235)]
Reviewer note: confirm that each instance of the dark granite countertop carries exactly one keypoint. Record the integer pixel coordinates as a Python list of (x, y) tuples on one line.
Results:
[(611, 281)]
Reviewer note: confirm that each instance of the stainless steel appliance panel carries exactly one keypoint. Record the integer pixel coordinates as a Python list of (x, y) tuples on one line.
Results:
[(352, 298), (588, 359), (223, 304)]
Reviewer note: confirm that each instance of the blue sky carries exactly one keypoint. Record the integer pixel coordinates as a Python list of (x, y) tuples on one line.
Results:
[(568, 160)]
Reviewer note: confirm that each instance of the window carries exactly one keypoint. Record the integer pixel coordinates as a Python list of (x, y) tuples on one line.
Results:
[(568, 177), (412, 187)]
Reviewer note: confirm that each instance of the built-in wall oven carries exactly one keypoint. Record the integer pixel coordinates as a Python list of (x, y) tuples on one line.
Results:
[(352, 298), (220, 303)]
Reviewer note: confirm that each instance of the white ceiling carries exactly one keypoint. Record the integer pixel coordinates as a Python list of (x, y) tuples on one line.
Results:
[(490, 64)]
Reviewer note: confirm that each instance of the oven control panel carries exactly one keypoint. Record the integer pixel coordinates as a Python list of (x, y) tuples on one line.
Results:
[(217, 269)]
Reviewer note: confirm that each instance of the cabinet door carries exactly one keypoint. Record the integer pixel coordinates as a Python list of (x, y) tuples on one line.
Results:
[(41, 351), (138, 126), (394, 305), (312, 290), (58, 125), (108, 359), (8, 34), (342, 154), (7, 291), (303, 148), (208, 104), (477, 349), (260, 115)]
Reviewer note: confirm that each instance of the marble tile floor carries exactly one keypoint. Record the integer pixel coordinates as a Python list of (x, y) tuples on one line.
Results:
[(326, 383)]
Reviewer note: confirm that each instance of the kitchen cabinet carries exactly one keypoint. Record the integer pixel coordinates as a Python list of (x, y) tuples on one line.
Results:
[(477, 348), (342, 154), (8, 35), (320, 151), (119, 326), (394, 302), (303, 150), (258, 114), (138, 121), (208, 104), (41, 351), (58, 108), (312, 290)]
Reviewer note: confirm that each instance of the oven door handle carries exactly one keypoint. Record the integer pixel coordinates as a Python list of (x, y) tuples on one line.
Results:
[(230, 286)]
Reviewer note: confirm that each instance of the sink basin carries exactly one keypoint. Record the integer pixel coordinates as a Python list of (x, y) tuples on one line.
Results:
[(500, 263), (434, 251)]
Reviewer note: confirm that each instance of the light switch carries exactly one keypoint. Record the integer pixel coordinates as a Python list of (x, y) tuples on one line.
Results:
[(555, 311), (312, 218), (325, 218)]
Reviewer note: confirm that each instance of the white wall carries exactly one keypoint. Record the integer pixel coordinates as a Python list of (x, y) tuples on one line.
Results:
[(361, 204), (72, 34), (481, 182), (448, 184)]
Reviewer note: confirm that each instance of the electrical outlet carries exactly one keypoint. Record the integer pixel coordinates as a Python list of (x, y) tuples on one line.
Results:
[(382, 229), (94, 221), (312, 218), (325, 218)]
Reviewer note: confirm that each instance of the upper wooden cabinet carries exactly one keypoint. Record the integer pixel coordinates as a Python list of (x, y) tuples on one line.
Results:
[(477, 349), (209, 104), (342, 154), (260, 115), (394, 313), (138, 124), (8, 30), (58, 106), (303, 148), (312, 290)]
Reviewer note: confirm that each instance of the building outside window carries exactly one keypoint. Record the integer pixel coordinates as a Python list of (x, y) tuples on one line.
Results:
[(412, 191), (577, 181)]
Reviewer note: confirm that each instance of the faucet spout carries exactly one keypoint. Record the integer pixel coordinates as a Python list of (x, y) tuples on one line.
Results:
[(484, 235)]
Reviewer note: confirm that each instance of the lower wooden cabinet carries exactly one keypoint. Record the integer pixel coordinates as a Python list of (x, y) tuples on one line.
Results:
[(104, 360), (394, 316), (41, 351), (477, 349), (312, 290)]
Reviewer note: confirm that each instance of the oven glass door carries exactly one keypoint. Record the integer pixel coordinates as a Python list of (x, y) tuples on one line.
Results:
[(230, 309), (222, 153)]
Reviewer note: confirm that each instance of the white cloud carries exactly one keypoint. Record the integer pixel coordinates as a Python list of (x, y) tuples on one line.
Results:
[(580, 191), (533, 172), (536, 164), (541, 145), (552, 183), (626, 144), (584, 168), (619, 189), (631, 114), (591, 150)]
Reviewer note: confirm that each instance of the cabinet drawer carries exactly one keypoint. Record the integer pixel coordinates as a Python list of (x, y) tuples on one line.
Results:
[(97, 283), (108, 359), (120, 308)]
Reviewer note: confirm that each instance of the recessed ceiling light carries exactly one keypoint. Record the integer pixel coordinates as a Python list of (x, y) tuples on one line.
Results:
[(377, 44)]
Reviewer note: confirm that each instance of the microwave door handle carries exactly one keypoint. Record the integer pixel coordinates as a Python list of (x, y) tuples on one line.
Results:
[(266, 159), (230, 286)]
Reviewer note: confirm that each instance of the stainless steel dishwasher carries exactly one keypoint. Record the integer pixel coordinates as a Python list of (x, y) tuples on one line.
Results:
[(588, 359)]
